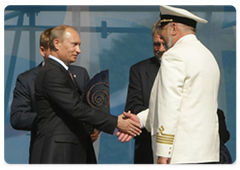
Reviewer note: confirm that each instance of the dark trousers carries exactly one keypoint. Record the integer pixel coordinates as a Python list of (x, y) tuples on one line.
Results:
[(143, 153)]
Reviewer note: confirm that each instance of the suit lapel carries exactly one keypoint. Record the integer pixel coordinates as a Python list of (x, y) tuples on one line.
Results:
[(153, 68), (63, 70), (78, 85)]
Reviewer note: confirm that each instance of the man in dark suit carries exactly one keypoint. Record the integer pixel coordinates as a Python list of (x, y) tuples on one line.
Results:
[(23, 108), (61, 135), (142, 76)]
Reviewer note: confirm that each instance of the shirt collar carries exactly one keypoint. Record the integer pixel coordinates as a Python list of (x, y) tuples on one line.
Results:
[(59, 61)]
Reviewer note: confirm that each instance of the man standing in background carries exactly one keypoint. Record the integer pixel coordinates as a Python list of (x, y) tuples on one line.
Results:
[(142, 76)]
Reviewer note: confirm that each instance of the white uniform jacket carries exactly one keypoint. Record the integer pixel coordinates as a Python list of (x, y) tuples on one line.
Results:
[(183, 104)]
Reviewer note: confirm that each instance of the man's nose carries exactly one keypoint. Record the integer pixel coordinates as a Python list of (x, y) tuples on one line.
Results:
[(162, 48), (78, 49)]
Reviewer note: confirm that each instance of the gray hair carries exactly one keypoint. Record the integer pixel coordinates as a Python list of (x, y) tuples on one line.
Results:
[(186, 28), (156, 28)]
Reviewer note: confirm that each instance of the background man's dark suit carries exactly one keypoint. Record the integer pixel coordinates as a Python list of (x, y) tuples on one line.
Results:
[(142, 76), (23, 108), (61, 114)]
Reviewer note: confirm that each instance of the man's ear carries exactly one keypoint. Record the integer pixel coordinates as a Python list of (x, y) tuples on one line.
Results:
[(56, 43), (42, 51), (174, 29)]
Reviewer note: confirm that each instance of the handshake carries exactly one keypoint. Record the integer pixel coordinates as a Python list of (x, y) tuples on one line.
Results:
[(128, 126)]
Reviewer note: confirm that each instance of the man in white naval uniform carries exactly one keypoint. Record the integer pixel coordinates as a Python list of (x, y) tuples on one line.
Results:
[(182, 108)]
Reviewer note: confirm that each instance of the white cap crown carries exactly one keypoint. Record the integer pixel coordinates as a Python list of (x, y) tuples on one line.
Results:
[(172, 14)]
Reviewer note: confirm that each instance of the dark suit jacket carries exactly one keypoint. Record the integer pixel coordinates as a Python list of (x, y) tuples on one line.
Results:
[(142, 76), (23, 108), (141, 79), (61, 136)]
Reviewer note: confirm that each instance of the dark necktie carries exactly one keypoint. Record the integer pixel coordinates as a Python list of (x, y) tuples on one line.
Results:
[(71, 75), (78, 88)]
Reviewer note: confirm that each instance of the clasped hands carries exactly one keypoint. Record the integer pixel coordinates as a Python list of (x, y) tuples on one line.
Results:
[(132, 128), (128, 126)]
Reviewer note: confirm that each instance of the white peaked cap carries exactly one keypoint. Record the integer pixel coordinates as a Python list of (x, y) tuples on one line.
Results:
[(172, 14)]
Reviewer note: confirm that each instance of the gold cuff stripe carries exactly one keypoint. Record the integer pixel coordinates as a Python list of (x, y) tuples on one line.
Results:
[(164, 142), (165, 135), (164, 138)]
